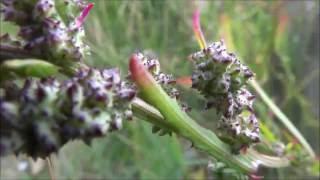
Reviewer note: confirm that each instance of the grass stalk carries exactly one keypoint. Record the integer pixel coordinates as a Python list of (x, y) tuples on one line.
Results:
[(283, 118)]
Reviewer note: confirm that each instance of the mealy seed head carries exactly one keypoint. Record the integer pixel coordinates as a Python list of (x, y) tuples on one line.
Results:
[(42, 115), (222, 80), (52, 29)]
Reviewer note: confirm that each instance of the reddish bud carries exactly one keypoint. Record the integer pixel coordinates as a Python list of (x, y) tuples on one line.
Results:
[(80, 20)]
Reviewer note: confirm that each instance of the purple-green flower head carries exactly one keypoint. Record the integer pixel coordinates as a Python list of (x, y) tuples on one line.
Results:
[(222, 79), (52, 29), (167, 81), (42, 115)]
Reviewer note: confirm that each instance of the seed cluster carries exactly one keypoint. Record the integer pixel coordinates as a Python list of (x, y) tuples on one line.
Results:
[(222, 79), (167, 81), (42, 115), (49, 28)]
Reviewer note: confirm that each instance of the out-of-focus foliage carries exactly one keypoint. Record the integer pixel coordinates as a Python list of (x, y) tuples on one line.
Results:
[(278, 40)]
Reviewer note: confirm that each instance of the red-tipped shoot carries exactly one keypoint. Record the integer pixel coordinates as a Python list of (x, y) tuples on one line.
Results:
[(139, 73), (80, 20), (197, 29)]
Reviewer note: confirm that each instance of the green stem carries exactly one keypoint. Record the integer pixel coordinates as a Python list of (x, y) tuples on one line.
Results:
[(187, 128), (203, 139), (11, 52), (8, 52), (269, 161), (283, 118), (143, 110)]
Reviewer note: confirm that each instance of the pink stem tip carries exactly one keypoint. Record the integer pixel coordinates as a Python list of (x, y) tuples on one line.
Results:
[(80, 20), (197, 29)]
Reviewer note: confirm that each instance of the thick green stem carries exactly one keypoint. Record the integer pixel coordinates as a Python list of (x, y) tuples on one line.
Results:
[(144, 111), (201, 138)]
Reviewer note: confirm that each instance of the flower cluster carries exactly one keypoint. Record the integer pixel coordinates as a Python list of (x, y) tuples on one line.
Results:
[(42, 115), (51, 29), (222, 79), (167, 81)]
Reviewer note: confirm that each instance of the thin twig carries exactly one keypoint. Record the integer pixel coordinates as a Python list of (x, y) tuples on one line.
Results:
[(50, 168)]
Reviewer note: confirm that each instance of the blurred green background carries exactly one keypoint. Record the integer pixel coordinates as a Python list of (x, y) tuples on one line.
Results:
[(279, 40)]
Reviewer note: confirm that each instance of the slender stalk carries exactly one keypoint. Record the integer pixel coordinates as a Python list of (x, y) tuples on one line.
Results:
[(11, 52), (197, 29), (269, 161), (50, 168), (283, 118)]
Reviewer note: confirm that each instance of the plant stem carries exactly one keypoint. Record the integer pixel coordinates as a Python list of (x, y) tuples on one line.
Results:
[(144, 111), (283, 118), (50, 168), (148, 113), (11, 52), (202, 138)]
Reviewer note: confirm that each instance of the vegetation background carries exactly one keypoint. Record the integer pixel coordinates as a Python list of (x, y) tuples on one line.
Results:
[(279, 40)]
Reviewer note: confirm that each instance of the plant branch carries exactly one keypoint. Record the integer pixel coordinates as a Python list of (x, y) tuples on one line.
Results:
[(50, 168), (202, 138), (12, 52), (283, 118), (144, 111)]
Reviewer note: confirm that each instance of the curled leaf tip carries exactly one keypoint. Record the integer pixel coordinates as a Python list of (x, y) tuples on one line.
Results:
[(133, 65), (197, 29), (80, 20), (139, 73)]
